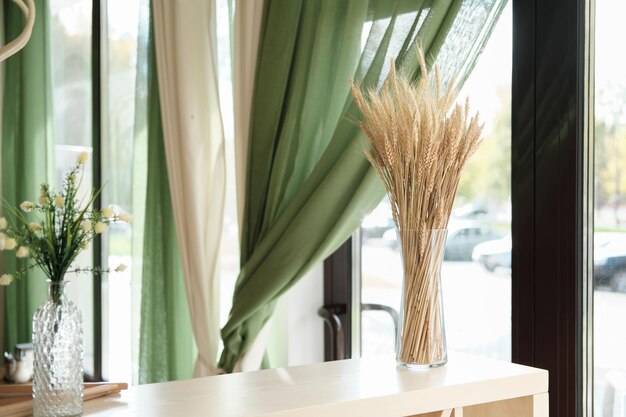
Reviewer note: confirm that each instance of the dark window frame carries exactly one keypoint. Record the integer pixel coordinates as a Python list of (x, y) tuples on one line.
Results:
[(552, 200), (96, 115), (552, 197)]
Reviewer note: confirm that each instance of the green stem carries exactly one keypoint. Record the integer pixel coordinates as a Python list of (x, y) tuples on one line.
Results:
[(56, 291)]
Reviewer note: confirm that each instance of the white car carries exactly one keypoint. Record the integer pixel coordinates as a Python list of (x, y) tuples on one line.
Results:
[(461, 240), (494, 253), (609, 258)]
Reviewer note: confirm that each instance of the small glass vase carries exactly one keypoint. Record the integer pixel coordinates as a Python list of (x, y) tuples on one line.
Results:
[(58, 356), (421, 337)]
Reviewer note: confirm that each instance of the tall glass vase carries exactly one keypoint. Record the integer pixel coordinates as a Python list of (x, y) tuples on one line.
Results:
[(421, 336), (58, 356)]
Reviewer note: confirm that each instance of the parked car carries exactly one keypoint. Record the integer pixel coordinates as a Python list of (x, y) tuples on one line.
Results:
[(609, 258), (461, 240), (493, 254)]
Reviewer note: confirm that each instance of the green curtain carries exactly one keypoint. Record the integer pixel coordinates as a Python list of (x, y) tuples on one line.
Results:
[(27, 152), (308, 182), (167, 348)]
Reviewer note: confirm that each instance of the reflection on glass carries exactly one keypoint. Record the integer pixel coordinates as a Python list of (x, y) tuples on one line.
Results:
[(476, 273), (610, 213)]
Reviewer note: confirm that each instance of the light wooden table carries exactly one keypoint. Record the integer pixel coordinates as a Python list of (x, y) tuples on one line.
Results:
[(467, 386)]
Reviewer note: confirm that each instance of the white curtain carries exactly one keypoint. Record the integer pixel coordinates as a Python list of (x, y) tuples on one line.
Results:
[(248, 16), (186, 55)]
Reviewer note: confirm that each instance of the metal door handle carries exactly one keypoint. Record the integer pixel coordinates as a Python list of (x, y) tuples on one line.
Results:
[(391, 311), (330, 314)]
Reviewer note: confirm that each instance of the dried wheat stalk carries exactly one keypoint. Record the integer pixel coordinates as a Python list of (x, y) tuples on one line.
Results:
[(420, 140)]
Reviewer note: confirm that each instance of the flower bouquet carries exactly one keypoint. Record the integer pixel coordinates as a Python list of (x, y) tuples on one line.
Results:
[(419, 142), (49, 234)]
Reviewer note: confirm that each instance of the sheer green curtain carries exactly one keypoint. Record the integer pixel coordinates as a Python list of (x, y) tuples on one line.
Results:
[(166, 346), (27, 151), (308, 183)]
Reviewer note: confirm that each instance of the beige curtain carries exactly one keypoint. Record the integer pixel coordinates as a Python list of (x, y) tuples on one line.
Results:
[(248, 17), (186, 54)]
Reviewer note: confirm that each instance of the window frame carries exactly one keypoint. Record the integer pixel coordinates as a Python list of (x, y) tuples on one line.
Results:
[(96, 115), (552, 197)]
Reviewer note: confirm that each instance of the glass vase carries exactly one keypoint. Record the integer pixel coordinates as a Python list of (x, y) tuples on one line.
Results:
[(58, 356), (421, 336)]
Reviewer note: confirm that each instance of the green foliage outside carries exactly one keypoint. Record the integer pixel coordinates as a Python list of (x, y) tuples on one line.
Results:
[(486, 180), (610, 158)]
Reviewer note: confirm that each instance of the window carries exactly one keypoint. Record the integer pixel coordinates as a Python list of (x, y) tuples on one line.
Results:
[(551, 199), (105, 303), (229, 246), (609, 256), (476, 274), (119, 98), (70, 32)]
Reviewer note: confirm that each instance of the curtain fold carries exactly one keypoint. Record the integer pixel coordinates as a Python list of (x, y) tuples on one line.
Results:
[(166, 344), (27, 151), (308, 183), (185, 38)]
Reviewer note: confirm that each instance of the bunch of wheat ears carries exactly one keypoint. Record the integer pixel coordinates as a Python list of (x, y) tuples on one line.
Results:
[(420, 140)]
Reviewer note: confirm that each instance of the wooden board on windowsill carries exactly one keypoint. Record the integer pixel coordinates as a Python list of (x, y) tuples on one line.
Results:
[(16, 399)]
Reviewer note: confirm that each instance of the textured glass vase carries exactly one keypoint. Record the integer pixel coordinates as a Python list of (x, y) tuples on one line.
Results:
[(58, 356), (421, 336)]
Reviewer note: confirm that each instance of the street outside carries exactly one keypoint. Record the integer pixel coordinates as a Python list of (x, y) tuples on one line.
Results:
[(477, 308)]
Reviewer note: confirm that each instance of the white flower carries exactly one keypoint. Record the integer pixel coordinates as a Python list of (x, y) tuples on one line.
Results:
[(34, 227), (82, 158), (3, 223), (6, 279), (121, 268), (100, 227), (27, 206), (126, 217), (43, 200), (108, 212), (2, 240), (86, 226), (59, 201), (22, 252), (10, 243)]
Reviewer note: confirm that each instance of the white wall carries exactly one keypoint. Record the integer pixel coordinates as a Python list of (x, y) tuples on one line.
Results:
[(305, 329), (297, 332)]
